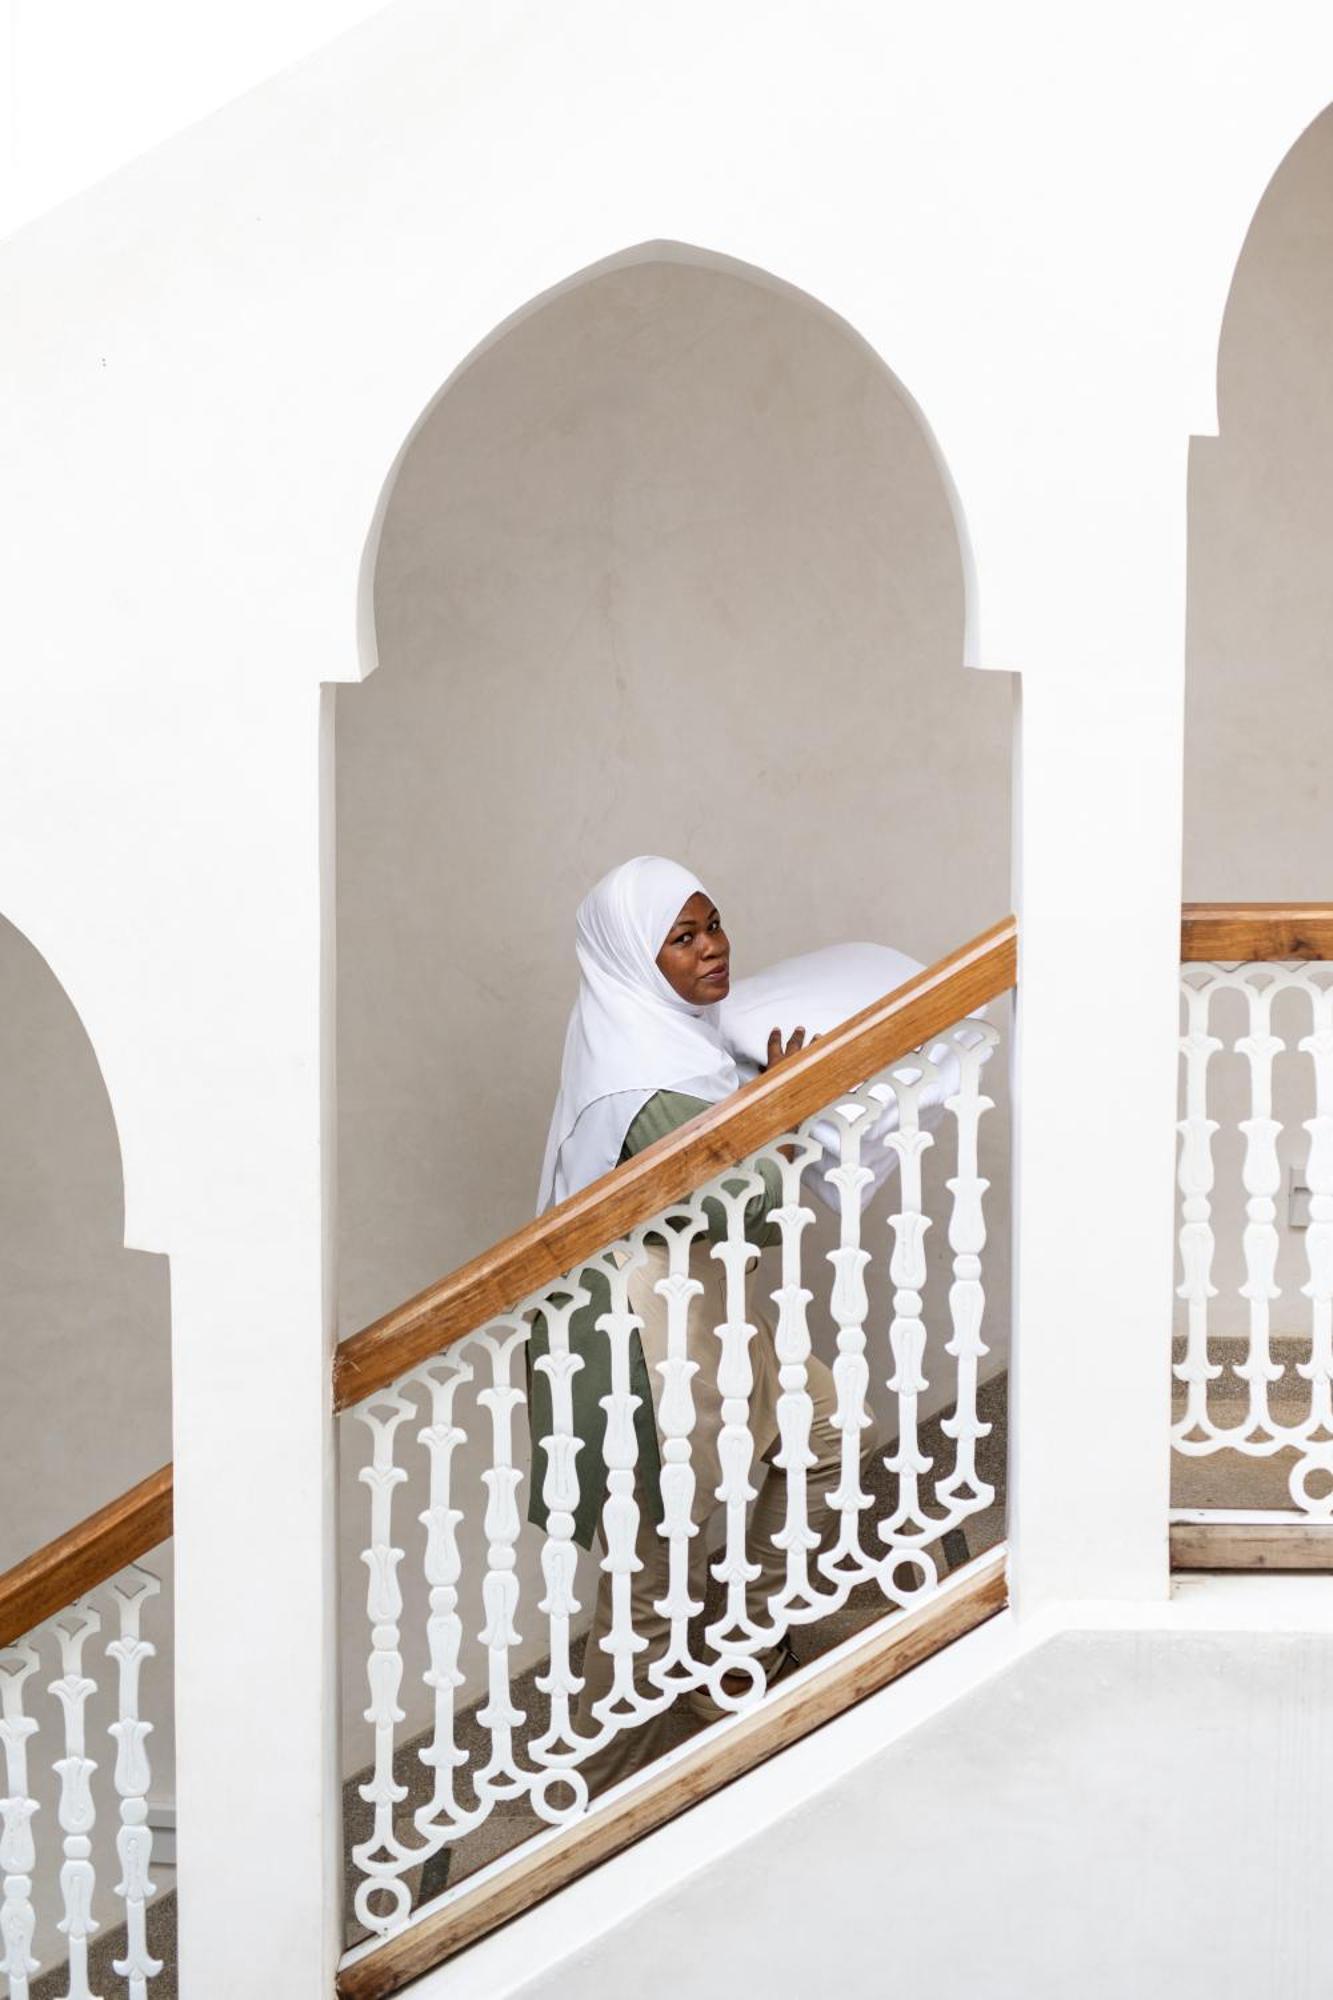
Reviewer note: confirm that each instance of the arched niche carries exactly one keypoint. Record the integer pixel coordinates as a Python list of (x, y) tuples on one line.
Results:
[(85, 1324), (1259, 713), (672, 563)]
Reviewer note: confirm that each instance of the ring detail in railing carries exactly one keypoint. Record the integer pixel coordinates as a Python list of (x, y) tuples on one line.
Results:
[(1259, 1434), (885, 1121), (68, 1636)]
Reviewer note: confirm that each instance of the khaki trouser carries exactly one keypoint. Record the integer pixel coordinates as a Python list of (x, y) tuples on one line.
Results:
[(634, 1746)]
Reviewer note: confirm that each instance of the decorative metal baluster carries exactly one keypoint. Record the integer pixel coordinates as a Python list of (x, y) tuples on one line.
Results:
[(501, 1778), (1262, 1177), (847, 1562), (798, 1537), (546, 1768), (907, 1530), (1318, 1288), (678, 1668), (962, 1491), (1197, 1243), (442, 1819), (735, 1637), (1258, 1434), (77, 1811), (383, 1858), (134, 1842), (18, 1854), (622, 1704), (558, 1745)]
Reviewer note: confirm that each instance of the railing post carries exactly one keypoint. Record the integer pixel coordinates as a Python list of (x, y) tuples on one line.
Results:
[(1098, 900), (258, 1783)]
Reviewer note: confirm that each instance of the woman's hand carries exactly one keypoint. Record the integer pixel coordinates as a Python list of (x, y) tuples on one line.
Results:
[(776, 1052)]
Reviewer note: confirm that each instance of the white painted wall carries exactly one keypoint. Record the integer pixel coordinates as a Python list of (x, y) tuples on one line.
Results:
[(210, 363), (85, 87)]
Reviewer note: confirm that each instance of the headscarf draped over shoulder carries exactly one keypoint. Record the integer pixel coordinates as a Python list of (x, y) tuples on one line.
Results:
[(630, 1034)]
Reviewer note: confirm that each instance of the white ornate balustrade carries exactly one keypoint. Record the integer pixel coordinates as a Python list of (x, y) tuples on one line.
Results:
[(75, 1744), (1256, 1234), (449, 1457)]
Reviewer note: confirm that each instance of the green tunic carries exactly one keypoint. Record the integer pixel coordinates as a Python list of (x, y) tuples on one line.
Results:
[(660, 1115)]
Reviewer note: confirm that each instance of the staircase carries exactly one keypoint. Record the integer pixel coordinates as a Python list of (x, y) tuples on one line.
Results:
[(464, 1817)]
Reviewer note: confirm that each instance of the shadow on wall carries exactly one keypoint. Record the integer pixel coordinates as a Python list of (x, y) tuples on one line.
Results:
[(84, 1322), (1259, 719)]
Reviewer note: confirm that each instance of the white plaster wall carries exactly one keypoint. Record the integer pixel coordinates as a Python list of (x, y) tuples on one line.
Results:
[(670, 568), (85, 87), (1120, 1812)]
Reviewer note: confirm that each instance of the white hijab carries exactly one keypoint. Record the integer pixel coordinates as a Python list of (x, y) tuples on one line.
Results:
[(630, 1034)]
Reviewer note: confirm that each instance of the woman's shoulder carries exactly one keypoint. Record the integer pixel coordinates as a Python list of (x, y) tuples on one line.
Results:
[(664, 1112)]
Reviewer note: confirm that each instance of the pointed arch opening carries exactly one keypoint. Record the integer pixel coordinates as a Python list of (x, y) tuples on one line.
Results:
[(671, 564), (1259, 696), (85, 1324)]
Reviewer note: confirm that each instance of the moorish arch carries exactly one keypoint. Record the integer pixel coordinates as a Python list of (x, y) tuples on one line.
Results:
[(673, 561), (1259, 721), (85, 1324), (671, 564)]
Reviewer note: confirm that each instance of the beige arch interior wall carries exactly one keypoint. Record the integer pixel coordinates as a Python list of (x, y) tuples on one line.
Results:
[(669, 568), (85, 1324)]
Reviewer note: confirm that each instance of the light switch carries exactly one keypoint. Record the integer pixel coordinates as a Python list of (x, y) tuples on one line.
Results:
[(1298, 1199)]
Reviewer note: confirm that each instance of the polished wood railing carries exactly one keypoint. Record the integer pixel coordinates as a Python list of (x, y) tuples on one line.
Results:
[(633, 1193), (92, 1553), (1223, 932), (770, 1110)]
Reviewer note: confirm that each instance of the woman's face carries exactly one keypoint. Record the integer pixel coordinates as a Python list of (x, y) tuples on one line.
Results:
[(695, 960)]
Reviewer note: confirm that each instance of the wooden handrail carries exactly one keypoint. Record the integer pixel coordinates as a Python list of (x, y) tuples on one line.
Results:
[(759, 1112), (1272, 1545), (79, 1560), (1227, 933)]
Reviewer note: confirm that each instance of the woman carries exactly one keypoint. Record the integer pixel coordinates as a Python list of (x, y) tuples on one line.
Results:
[(643, 1054)]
